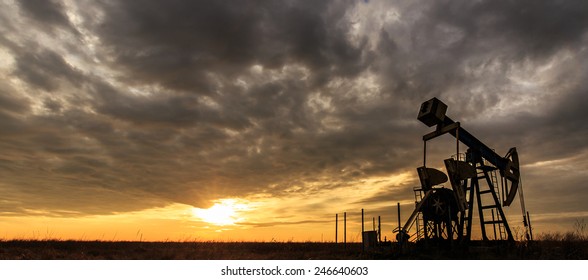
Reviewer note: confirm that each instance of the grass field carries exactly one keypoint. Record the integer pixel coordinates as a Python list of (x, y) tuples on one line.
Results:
[(120, 250), (91, 250)]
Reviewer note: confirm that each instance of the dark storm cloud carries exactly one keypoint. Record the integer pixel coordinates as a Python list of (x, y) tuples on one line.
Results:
[(535, 27), (447, 36), (12, 108), (394, 193), (44, 69), (47, 14), (46, 11), (188, 101), (177, 43), (10, 102)]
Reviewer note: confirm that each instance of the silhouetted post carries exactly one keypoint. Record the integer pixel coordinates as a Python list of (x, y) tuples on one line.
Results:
[(374, 223), (379, 230), (362, 230), (345, 229), (336, 226), (362, 224)]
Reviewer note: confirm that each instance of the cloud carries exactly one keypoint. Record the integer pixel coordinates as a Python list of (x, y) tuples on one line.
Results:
[(10, 102), (44, 69), (176, 44), (46, 14)]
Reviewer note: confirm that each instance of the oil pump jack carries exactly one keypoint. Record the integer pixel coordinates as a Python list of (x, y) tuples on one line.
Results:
[(447, 214)]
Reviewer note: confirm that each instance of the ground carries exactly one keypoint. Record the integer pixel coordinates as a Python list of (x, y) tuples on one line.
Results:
[(90, 250)]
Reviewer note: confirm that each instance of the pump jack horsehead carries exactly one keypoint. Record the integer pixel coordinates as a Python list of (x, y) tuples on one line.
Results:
[(446, 214)]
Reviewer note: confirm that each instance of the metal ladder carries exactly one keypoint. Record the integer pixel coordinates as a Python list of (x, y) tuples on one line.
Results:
[(501, 230), (420, 228), (496, 219)]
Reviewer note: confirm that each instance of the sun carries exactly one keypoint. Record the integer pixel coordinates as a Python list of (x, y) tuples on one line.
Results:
[(223, 212)]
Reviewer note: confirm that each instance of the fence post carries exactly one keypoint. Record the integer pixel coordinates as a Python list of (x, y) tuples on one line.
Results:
[(362, 230), (336, 226), (345, 229)]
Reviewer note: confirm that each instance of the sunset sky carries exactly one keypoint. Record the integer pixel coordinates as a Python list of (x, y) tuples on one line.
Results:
[(260, 120)]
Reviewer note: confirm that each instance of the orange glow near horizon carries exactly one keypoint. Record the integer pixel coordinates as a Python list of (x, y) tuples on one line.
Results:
[(179, 223), (224, 212), (299, 217)]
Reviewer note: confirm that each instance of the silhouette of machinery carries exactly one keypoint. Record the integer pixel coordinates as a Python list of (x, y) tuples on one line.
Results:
[(447, 214)]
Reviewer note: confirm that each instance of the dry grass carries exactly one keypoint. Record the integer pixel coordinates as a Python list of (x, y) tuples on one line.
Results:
[(556, 246), (88, 250), (569, 245)]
